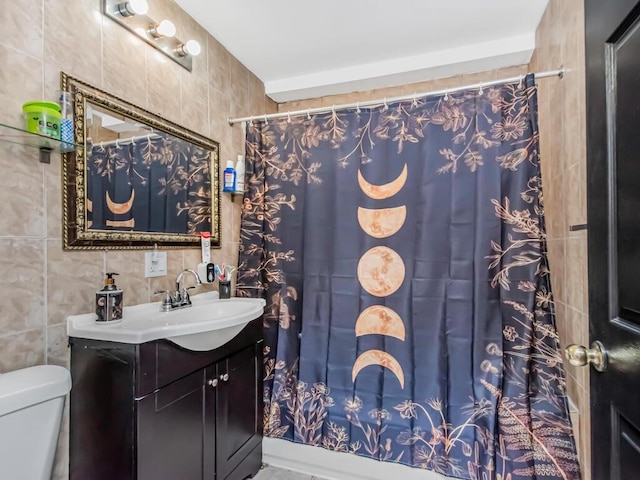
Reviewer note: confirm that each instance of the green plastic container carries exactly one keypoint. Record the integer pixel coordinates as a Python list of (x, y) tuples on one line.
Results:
[(43, 118)]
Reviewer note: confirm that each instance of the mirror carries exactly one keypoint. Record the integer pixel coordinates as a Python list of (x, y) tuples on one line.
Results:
[(135, 179)]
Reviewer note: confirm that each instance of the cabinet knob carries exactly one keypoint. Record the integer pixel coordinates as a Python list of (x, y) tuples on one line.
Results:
[(225, 377), (213, 382)]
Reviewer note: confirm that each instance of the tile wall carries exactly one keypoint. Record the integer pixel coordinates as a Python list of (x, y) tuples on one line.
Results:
[(562, 107), (41, 284)]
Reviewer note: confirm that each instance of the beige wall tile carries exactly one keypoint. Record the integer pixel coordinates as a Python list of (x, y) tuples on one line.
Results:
[(72, 281), (195, 103), (163, 86), (167, 282), (20, 82), (576, 195), (22, 350), (21, 191), (22, 284), (219, 113), (219, 68), (124, 56), (53, 197), (74, 46), (576, 284), (58, 346), (21, 26), (559, 41), (130, 279), (239, 77)]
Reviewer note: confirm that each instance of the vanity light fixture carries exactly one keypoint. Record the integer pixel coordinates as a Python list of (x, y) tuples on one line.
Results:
[(133, 7), (165, 28), (132, 15)]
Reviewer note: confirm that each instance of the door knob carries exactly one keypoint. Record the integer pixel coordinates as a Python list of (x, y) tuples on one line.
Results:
[(225, 377), (596, 356), (213, 382)]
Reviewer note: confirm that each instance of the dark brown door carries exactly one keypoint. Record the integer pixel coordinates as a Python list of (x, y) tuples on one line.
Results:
[(170, 431), (613, 166), (238, 411)]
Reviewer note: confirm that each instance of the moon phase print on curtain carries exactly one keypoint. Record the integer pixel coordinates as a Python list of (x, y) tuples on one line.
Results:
[(401, 250)]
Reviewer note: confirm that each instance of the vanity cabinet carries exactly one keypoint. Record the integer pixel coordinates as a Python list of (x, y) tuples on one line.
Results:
[(157, 411)]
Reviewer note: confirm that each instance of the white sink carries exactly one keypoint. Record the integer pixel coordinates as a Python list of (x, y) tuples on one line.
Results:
[(209, 323)]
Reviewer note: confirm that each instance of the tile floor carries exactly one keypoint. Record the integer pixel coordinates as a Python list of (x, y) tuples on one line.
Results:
[(272, 473)]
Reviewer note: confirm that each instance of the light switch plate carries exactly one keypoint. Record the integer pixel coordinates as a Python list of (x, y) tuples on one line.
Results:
[(155, 264)]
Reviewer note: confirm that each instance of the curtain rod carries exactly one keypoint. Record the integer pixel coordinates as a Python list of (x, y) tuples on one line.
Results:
[(120, 141), (369, 103)]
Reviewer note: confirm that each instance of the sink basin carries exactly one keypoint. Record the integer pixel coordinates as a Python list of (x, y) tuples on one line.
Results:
[(209, 323)]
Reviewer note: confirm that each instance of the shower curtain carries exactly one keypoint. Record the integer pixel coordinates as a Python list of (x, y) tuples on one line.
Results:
[(409, 318)]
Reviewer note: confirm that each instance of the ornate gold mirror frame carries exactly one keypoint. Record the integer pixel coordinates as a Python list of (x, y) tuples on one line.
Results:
[(135, 179)]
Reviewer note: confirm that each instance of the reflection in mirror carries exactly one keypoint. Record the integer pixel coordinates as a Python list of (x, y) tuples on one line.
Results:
[(143, 180), (139, 180)]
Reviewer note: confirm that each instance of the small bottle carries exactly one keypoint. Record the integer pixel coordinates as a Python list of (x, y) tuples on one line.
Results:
[(240, 174), (229, 178), (109, 301), (66, 124)]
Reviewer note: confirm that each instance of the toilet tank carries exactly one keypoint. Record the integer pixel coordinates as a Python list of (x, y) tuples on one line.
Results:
[(31, 402)]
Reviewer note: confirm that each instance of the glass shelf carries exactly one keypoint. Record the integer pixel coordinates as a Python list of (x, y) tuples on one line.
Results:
[(11, 134)]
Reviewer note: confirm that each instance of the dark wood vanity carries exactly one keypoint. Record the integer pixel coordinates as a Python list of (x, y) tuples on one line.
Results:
[(156, 411)]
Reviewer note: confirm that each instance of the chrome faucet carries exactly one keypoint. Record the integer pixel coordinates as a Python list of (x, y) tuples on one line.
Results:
[(179, 299)]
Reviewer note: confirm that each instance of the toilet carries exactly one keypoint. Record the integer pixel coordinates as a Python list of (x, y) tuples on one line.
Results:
[(31, 402)]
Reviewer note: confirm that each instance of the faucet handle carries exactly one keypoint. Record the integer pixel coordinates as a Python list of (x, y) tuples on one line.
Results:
[(166, 300), (186, 298)]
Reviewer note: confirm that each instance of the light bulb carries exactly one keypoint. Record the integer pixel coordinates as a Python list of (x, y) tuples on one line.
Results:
[(138, 7), (165, 28), (192, 47), (132, 7)]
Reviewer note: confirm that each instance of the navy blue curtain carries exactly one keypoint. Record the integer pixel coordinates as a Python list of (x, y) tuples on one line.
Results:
[(401, 250), (159, 184)]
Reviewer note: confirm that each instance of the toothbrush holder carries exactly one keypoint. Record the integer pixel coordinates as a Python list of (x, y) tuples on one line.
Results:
[(224, 289)]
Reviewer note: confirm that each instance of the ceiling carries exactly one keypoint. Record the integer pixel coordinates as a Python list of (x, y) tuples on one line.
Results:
[(303, 49)]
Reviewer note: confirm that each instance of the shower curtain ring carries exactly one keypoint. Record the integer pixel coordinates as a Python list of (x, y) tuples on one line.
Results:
[(386, 107), (520, 82), (288, 117), (309, 114), (117, 146), (446, 95), (333, 109), (480, 91), (251, 121), (266, 121), (415, 99), (358, 107)]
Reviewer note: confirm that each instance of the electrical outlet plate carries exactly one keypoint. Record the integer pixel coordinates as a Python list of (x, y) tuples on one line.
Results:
[(155, 264)]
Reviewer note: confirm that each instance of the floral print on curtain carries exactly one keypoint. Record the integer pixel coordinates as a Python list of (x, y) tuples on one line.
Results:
[(402, 253)]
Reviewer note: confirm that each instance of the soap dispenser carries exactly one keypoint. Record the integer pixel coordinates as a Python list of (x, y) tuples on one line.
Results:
[(109, 301)]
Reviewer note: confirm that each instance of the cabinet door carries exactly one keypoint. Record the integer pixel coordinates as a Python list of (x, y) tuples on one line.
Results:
[(212, 383), (238, 410), (170, 431)]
